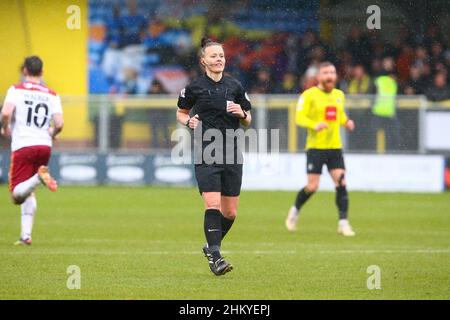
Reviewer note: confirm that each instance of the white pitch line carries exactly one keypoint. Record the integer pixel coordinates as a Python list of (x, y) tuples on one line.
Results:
[(257, 252), (387, 251), (254, 252)]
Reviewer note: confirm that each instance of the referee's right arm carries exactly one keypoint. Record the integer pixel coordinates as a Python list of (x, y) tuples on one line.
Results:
[(185, 103), (183, 116)]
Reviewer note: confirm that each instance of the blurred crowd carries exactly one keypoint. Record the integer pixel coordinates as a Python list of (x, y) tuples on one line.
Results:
[(418, 65), (135, 52)]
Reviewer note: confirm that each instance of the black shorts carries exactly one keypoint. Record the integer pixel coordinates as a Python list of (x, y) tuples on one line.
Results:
[(226, 179), (316, 158)]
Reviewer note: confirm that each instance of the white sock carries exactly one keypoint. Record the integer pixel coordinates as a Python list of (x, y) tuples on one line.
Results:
[(28, 209), (343, 222), (24, 189), (293, 212)]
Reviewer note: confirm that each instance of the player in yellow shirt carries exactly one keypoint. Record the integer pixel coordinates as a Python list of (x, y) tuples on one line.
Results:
[(320, 109)]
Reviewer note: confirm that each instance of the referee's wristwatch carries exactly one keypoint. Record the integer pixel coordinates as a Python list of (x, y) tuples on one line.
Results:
[(187, 123), (245, 115)]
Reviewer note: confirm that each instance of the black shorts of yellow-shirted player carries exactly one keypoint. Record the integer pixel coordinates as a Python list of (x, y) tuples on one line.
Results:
[(220, 103), (320, 110)]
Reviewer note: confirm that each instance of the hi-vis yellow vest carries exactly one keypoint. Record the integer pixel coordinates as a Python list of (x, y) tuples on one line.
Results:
[(384, 105)]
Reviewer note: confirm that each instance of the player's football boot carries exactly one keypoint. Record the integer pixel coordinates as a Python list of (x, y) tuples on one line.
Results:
[(346, 229), (23, 242), (219, 266), (46, 179), (291, 220)]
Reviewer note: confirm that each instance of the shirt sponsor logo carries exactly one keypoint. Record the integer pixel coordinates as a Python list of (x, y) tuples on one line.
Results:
[(330, 113)]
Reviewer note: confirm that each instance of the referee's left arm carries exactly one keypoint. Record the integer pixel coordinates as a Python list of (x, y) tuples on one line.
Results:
[(244, 101)]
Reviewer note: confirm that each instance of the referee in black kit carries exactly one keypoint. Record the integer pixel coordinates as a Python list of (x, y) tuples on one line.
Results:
[(220, 103)]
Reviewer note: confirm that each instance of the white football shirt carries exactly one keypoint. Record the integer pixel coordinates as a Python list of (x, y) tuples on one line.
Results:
[(35, 104)]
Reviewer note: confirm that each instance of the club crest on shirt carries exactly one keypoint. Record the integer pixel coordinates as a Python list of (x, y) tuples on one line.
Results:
[(338, 100)]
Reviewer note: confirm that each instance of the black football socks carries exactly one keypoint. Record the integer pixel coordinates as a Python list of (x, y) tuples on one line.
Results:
[(302, 197), (226, 226), (342, 202), (213, 231)]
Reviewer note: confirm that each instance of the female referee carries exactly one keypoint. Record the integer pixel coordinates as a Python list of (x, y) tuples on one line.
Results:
[(220, 103)]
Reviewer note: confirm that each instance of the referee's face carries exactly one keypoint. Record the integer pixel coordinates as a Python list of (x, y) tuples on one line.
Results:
[(214, 59), (327, 77)]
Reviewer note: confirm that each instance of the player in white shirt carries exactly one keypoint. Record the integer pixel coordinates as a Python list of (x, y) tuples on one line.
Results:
[(32, 117)]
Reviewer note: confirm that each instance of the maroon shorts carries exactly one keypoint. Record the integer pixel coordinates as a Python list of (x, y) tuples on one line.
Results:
[(25, 163)]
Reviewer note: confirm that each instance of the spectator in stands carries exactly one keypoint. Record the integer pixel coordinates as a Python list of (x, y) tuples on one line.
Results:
[(130, 83), (437, 57), (379, 48), (125, 51), (288, 85), (173, 36), (439, 91), (427, 73), (114, 30), (159, 120), (344, 78), (112, 55), (291, 52), (403, 62), (344, 69), (309, 79), (133, 26), (194, 72), (421, 57), (359, 46), (361, 82), (376, 67), (416, 84), (433, 35), (263, 83), (384, 110), (317, 55), (447, 62), (309, 41)]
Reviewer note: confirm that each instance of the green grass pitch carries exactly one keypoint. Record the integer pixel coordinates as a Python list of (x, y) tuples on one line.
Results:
[(145, 243)]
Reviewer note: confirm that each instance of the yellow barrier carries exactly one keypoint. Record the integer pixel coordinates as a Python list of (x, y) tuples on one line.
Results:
[(274, 102), (39, 27), (79, 127)]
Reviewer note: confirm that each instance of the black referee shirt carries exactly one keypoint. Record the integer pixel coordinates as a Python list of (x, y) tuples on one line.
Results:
[(208, 99)]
